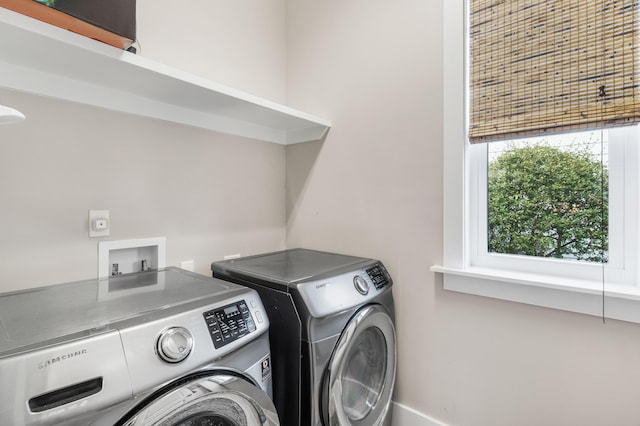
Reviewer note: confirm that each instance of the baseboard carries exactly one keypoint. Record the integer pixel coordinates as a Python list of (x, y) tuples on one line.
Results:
[(405, 416)]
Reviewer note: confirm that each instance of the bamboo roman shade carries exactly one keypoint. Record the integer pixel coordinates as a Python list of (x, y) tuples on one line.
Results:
[(551, 66)]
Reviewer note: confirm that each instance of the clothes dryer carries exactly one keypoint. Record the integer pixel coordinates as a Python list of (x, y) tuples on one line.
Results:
[(332, 334), (165, 347)]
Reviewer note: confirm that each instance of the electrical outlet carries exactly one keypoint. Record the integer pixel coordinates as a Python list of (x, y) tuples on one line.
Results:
[(187, 264), (99, 225)]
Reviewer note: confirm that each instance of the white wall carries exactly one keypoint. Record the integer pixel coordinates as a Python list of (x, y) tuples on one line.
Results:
[(373, 188), (209, 194), (199, 189), (240, 43)]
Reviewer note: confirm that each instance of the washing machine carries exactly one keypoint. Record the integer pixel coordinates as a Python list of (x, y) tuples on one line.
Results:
[(332, 334), (165, 347)]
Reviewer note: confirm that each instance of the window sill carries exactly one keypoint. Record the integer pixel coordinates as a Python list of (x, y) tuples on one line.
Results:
[(621, 302)]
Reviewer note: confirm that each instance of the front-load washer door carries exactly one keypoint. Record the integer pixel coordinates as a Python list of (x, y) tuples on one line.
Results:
[(362, 371), (215, 400)]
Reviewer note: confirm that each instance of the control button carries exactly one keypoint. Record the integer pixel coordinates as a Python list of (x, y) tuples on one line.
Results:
[(259, 317), (251, 326), (254, 304), (174, 344), (361, 285)]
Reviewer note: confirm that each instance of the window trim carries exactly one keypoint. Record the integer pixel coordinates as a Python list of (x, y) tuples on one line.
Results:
[(620, 301)]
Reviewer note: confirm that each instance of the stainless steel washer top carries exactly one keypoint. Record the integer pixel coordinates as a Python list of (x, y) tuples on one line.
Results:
[(49, 315), (287, 268), (85, 352)]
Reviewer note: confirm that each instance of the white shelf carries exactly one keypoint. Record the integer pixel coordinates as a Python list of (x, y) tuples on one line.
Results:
[(39, 58)]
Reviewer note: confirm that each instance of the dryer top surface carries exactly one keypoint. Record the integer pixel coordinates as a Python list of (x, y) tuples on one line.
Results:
[(289, 267)]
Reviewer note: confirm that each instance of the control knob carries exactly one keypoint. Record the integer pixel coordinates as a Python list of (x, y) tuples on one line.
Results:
[(174, 344), (361, 285)]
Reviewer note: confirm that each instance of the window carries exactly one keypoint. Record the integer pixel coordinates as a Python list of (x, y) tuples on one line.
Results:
[(571, 280), (557, 203), (548, 197)]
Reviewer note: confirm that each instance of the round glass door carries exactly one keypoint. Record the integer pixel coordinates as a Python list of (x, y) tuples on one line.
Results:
[(220, 400), (362, 370), (364, 374)]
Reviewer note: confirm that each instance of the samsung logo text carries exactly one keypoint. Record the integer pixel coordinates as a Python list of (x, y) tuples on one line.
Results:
[(63, 357)]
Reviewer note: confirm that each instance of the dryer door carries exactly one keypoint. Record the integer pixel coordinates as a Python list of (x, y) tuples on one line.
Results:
[(362, 370), (215, 400)]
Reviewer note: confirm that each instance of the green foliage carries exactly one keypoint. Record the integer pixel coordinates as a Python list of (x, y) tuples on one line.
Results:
[(546, 202)]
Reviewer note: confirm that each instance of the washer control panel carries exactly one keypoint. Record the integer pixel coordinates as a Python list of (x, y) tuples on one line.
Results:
[(379, 276), (229, 323), (336, 293)]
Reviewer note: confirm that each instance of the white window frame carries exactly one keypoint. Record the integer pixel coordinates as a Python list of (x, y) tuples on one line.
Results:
[(623, 148), (611, 291)]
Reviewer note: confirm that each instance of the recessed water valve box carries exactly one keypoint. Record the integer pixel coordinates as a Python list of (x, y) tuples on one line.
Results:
[(128, 256)]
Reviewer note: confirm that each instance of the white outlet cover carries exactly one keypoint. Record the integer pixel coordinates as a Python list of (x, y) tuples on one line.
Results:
[(187, 264), (99, 224)]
